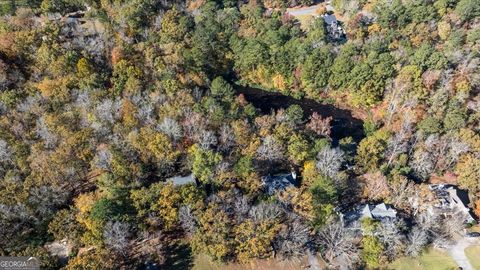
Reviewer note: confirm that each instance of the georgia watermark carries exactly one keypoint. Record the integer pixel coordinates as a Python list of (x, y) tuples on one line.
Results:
[(19, 263)]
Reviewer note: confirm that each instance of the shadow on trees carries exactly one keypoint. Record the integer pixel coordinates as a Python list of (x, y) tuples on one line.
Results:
[(343, 122), (178, 257)]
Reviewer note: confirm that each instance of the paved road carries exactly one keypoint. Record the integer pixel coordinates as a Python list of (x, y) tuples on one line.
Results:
[(304, 11), (457, 252)]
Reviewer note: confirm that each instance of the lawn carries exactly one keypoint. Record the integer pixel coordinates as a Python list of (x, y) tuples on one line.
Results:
[(473, 255), (430, 260), (305, 20), (202, 262)]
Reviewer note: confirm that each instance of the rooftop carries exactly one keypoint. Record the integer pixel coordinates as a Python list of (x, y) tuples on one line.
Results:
[(273, 183), (182, 180), (451, 198), (329, 19), (374, 211)]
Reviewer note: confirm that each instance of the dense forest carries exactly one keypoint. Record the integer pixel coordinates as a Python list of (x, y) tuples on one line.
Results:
[(103, 101)]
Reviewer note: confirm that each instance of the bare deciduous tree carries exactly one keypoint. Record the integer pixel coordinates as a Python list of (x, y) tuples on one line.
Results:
[(391, 236), (453, 225), (108, 110), (227, 137), (49, 138), (47, 198), (270, 149), (145, 108), (265, 211), (398, 143), (329, 161), (193, 124), (187, 220), (417, 240), (5, 152), (4, 78), (422, 163), (321, 126), (116, 235), (242, 207), (103, 159), (401, 191), (339, 245), (292, 240), (207, 139), (376, 187), (170, 127), (437, 153), (3, 108)]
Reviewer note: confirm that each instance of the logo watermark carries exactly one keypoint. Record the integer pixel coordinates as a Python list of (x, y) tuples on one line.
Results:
[(19, 263)]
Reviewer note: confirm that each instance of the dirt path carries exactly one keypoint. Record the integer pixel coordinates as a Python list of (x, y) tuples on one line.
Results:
[(457, 252)]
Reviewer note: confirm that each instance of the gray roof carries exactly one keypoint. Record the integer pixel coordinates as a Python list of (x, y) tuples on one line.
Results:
[(273, 183), (329, 19), (449, 198), (182, 180), (379, 212)]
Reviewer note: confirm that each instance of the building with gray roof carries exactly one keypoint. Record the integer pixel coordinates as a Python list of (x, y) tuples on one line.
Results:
[(379, 212), (272, 183), (182, 180)]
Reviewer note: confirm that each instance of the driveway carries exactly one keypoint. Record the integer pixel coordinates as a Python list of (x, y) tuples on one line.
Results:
[(304, 11), (457, 252)]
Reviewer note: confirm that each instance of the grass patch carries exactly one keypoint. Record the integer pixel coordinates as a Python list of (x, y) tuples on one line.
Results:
[(305, 20), (473, 255), (474, 228), (429, 260), (203, 262)]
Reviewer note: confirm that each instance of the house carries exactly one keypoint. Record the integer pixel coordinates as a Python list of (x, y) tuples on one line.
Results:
[(272, 183), (381, 212), (334, 29), (451, 200), (182, 180)]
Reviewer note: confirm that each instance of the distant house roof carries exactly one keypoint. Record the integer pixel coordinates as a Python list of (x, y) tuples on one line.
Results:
[(272, 183), (379, 212), (182, 180), (451, 198)]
